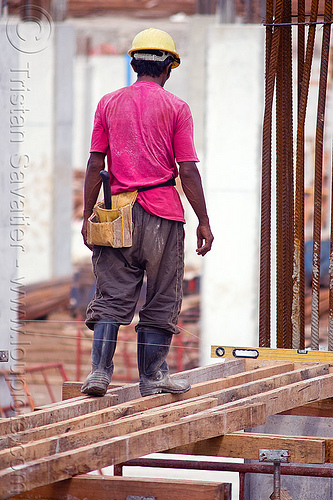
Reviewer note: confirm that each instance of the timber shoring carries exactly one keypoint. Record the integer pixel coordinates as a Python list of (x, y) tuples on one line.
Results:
[(56, 443)]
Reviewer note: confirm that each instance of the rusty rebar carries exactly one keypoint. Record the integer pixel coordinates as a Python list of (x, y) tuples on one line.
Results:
[(284, 182), (289, 192), (328, 17), (272, 44), (298, 307), (318, 179), (304, 74), (280, 148)]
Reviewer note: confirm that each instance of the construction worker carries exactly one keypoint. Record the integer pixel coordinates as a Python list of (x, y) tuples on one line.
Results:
[(143, 130)]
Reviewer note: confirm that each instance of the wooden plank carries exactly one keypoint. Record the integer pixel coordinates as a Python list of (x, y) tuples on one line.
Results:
[(322, 408), (89, 435), (329, 450), (73, 389), (243, 378), (107, 414), (97, 488), (102, 416), (47, 416), (129, 392), (207, 424), (123, 448), (262, 386), (93, 418), (202, 389), (247, 445), (303, 449), (284, 398)]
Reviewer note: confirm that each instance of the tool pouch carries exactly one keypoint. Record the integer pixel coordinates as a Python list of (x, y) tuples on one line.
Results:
[(112, 228)]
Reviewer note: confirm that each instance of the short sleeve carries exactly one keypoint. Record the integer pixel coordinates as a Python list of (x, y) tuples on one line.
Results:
[(99, 138), (183, 141)]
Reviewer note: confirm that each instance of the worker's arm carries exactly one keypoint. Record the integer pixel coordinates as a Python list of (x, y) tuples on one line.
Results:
[(192, 187), (92, 186)]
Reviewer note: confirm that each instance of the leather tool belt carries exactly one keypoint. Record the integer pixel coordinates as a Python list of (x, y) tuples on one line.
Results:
[(113, 227)]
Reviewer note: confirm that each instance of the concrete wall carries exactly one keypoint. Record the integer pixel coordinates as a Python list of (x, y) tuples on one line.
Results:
[(235, 97)]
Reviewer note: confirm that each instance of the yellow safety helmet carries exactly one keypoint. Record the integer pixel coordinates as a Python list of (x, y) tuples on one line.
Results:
[(155, 39)]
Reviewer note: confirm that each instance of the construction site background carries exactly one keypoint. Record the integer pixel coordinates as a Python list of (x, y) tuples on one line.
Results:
[(221, 76)]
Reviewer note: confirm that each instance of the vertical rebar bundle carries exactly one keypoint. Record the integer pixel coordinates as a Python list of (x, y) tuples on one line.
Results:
[(284, 180), (290, 174)]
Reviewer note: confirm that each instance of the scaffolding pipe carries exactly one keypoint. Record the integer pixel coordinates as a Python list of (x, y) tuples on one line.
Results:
[(241, 468)]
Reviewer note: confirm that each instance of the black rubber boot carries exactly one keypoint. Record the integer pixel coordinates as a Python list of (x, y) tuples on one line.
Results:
[(103, 348), (153, 348)]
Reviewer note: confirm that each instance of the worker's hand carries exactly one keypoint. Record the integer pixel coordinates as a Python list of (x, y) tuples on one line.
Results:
[(84, 232), (204, 239)]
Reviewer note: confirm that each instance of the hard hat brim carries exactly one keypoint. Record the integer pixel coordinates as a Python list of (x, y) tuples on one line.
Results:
[(175, 63)]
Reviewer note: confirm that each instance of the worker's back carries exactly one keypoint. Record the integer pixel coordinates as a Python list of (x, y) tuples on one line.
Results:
[(143, 128)]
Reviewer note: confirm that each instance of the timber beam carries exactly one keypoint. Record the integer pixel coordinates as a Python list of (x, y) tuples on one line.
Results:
[(247, 445), (97, 488), (57, 443)]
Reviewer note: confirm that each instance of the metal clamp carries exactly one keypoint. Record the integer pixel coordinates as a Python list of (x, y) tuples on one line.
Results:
[(277, 457), (274, 456)]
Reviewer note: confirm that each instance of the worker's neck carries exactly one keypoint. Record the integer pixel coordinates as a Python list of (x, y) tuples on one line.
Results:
[(160, 80)]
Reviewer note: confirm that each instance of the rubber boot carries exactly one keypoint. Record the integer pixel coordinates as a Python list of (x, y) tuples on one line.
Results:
[(153, 348), (103, 348)]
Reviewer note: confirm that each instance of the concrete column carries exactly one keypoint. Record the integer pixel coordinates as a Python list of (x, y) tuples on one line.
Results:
[(64, 42), (37, 70), (195, 76), (82, 110), (10, 202), (44, 78), (35, 165), (235, 97)]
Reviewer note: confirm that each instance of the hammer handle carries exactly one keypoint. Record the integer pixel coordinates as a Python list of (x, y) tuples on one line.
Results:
[(106, 189)]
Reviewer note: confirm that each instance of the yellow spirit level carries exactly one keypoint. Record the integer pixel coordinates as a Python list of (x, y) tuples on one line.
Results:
[(268, 353)]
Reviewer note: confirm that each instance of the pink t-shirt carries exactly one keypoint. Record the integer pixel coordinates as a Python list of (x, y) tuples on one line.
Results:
[(143, 129)]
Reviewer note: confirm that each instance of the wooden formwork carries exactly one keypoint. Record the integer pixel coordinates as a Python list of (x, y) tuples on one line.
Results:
[(83, 434)]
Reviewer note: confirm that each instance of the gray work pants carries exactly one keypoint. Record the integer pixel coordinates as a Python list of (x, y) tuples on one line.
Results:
[(158, 249)]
